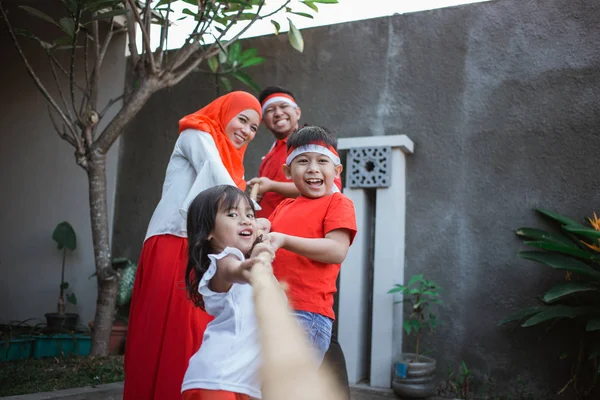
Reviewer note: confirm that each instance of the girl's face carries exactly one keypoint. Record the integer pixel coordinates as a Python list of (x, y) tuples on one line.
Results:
[(242, 128), (234, 227)]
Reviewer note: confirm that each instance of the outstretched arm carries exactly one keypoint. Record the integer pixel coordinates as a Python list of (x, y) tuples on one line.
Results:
[(231, 269), (286, 189), (331, 249)]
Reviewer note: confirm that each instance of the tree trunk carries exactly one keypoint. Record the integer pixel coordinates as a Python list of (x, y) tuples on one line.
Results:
[(107, 279)]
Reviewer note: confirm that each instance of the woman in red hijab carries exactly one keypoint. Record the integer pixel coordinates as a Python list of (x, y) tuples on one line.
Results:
[(165, 328)]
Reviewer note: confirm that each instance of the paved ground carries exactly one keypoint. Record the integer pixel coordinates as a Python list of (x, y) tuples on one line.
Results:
[(113, 391)]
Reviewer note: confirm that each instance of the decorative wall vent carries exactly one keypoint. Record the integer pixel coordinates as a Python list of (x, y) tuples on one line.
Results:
[(369, 167)]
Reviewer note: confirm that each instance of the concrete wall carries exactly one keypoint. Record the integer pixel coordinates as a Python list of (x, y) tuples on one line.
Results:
[(501, 100), (42, 185)]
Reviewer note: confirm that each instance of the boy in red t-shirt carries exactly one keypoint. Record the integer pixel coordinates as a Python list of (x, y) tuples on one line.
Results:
[(312, 232)]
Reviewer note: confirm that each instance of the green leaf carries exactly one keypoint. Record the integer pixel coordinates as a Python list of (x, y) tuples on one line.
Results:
[(222, 54), (234, 51), (310, 5), (295, 37), (538, 234), (225, 83), (126, 285), (593, 325), (569, 249), (398, 288), (71, 298), (120, 262), (583, 231), (557, 217), (561, 262), (37, 13), (521, 314), (213, 64), (253, 61), (30, 35), (305, 15), (414, 279), (277, 26), (248, 54), (68, 26), (187, 11), (246, 80), (64, 235), (568, 289), (64, 285), (325, 1), (558, 311), (407, 327)]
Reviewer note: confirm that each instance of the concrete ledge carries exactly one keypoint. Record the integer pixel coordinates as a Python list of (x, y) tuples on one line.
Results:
[(109, 391)]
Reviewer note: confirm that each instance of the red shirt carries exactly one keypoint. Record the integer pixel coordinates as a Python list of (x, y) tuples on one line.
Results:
[(311, 283), (270, 167)]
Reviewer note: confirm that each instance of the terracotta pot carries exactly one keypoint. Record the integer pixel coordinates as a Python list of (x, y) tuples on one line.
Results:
[(118, 333)]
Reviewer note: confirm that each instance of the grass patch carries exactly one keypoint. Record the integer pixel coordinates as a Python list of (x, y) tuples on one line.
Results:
[(32, 376)]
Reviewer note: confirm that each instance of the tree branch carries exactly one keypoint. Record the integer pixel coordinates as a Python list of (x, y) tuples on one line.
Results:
[(135, 57), (107, 40), (65, 72), (96, 71), (56, 81), (32, 73), (145, 35), (178, 76), (133, 105), (110, 104), (61, 132), (164, 34), (276, 11), (72, 63)]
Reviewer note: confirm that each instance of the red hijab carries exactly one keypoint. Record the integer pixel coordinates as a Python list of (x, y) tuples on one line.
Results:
[(213, 119)]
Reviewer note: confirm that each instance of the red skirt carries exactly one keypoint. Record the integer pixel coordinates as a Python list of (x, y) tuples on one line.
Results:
[(165, 328), (205, 394)]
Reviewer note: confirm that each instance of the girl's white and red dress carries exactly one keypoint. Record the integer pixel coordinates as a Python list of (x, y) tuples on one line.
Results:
[(229, 357)]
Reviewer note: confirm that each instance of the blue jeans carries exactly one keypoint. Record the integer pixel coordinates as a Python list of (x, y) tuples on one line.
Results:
[(318, 329)]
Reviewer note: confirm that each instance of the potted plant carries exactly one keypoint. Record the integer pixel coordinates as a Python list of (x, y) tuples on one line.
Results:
[(414, 373), (118, 333), (61, 321), (573, 302)]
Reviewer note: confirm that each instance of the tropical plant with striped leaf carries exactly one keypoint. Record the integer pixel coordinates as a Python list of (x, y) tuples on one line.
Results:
[(574, 249)]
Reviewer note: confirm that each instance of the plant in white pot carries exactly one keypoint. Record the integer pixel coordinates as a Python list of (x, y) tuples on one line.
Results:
[(414, 373)]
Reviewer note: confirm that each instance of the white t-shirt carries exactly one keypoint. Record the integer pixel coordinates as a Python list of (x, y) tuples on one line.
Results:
[(229, 357), (194, 166)]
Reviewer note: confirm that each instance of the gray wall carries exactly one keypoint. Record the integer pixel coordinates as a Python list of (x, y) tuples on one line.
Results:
[(42, 185), (501, 100)]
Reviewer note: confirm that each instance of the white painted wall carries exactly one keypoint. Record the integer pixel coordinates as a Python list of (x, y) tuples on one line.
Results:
[(40, 186)]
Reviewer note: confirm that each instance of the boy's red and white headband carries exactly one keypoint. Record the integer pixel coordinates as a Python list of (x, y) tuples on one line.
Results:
[(320, 148), (286, 98)]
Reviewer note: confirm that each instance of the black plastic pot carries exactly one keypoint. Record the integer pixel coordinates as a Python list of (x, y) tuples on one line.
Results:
[(57, 323), (414, 380)]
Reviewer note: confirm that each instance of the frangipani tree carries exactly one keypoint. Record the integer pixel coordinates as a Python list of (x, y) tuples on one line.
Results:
[(87, 28)]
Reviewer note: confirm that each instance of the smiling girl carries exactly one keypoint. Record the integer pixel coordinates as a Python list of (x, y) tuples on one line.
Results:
[(222, 230)]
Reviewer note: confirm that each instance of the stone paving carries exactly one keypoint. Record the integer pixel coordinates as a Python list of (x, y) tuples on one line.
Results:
[(113, 391)]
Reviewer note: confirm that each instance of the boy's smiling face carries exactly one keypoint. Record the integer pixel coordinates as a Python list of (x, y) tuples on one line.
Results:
[(313, 174)]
